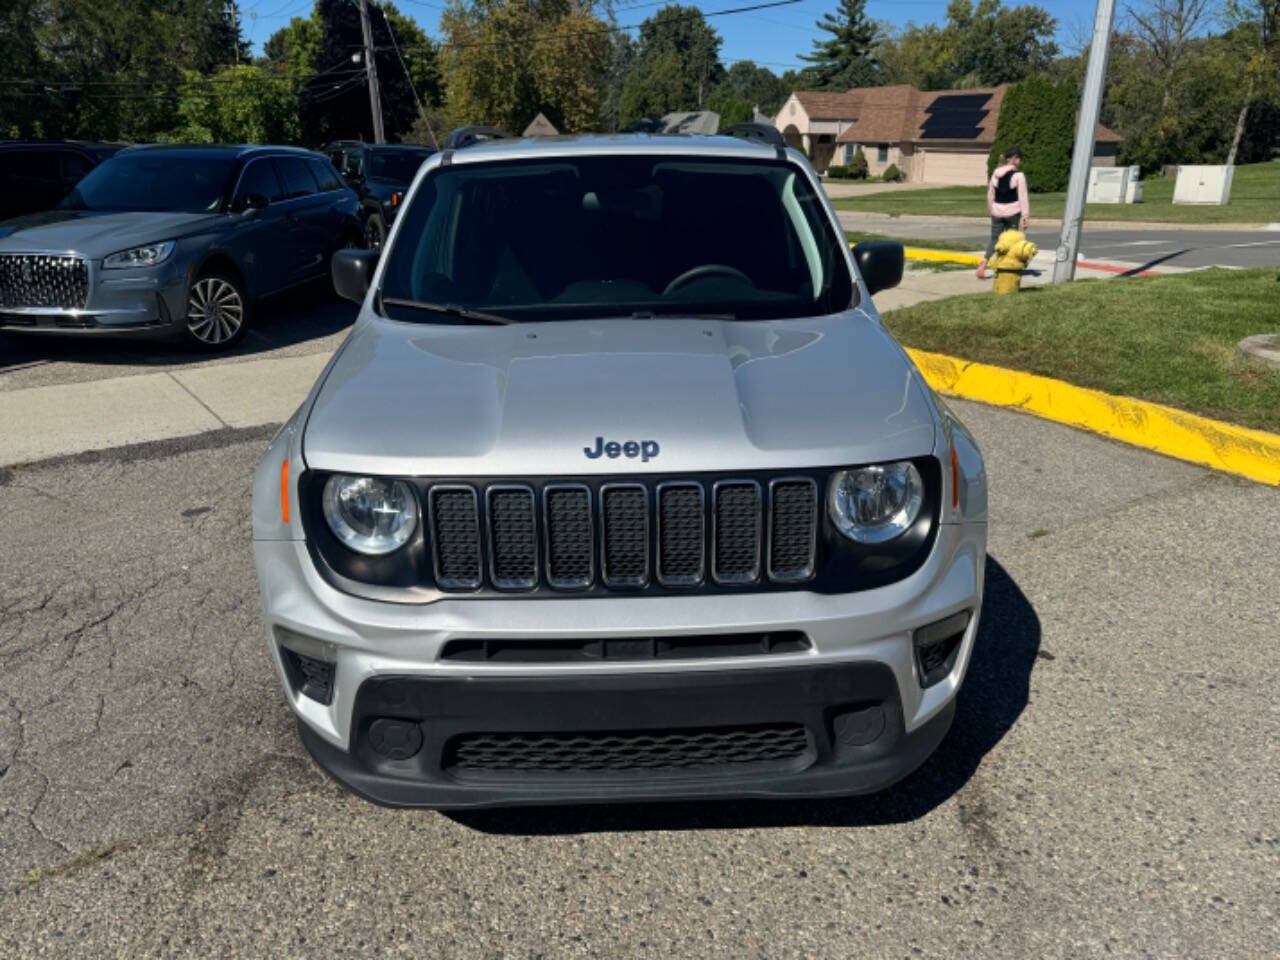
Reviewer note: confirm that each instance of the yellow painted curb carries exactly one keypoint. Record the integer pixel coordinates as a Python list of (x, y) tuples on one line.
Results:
[(1223, 446), (938, 256), (941, 256)]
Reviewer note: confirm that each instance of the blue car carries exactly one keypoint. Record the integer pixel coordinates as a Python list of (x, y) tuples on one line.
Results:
[(176, 242)]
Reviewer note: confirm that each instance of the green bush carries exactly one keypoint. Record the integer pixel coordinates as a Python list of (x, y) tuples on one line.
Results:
[(891, 174), (838, 172), (858, 166), (1038, 116)]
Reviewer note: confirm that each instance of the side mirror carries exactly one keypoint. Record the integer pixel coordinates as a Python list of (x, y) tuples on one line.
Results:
[(353, 272), (253, 201), (881, 263)]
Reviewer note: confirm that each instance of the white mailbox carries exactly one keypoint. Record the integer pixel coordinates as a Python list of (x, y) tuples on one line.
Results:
[(1203, 184)]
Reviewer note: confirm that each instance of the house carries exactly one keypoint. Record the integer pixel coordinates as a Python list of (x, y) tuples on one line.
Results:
[(939, 137)]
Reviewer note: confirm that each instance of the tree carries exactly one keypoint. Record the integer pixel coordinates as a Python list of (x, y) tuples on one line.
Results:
[(981, 46), (244, 104), (1258, 23), (846, 58), (504, 61), (334, 97), (676, 66), (754, 85), (1039, 117)]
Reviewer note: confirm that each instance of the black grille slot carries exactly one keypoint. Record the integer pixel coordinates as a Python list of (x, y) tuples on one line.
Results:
[(792, 531), (455, 524), (626, 535), (737, 532), (631, 750), (681, 534), (694, 647), (38, 280), (513, 543), (570, 540)]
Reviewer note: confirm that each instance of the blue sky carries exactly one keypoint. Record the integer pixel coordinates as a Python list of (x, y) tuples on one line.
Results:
[(773, 37)]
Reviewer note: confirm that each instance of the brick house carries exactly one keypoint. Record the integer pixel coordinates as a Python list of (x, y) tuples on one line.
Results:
[(939, 137)]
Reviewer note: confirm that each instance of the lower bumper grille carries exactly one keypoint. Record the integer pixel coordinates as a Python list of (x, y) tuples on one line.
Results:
[(40, 280), (587, 752)]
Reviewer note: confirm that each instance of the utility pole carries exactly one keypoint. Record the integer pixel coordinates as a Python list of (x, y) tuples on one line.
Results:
[(1095, 75), (371, 71), (235, 29)]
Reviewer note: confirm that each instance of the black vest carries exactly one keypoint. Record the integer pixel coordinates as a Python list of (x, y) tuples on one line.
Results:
[(1006, 192)]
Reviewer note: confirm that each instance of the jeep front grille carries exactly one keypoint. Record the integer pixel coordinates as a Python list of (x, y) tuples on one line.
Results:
[(624, 536), (41, 280)]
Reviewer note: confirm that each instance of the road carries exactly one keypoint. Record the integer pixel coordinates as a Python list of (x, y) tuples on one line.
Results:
[(1180, 247), (1111, 786)]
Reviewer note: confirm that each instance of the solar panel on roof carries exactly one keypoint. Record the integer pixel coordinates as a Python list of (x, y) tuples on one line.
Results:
[(955, 117)]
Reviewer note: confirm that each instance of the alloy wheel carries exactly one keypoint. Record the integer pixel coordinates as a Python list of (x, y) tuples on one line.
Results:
[(215, 311)]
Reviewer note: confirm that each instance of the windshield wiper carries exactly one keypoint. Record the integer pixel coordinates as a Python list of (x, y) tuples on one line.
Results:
[(448, 310)]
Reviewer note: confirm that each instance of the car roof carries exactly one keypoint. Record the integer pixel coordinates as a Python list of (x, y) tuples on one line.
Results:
[(223, 149), (614, 144), (401, 147)]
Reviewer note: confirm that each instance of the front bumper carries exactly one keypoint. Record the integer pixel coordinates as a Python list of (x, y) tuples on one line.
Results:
[(145, 302), (861, 655)]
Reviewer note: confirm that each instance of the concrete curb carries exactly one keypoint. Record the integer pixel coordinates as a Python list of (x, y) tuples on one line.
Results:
[(942, 256), (1223, 446)]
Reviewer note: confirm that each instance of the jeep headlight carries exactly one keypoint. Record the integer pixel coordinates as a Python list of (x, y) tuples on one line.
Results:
[(877, 503), (147, 255), (370, 515)]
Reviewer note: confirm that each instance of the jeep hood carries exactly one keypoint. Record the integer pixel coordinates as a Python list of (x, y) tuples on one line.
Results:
[(530, 399), (96, 235)]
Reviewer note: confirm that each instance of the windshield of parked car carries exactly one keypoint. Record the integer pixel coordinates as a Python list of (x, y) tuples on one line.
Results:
[(155, 181), (396, 165), (617, 236)]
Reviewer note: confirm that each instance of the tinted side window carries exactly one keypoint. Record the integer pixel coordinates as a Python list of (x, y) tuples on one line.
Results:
[(74, 166), (325, 175), (40, 166), (296, 177), (259, 177)]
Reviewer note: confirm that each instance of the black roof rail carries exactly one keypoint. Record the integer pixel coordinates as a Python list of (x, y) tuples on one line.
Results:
[(757, 133), (466, 136)]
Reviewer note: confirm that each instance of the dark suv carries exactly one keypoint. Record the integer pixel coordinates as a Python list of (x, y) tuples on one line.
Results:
[(380, 174), (36, 174)]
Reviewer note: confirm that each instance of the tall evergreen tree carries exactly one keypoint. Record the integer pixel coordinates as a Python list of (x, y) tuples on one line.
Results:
[(846, 58)]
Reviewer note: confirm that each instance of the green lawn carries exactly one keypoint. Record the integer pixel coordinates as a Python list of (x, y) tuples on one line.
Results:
[(1255, 198), (1168, 339)]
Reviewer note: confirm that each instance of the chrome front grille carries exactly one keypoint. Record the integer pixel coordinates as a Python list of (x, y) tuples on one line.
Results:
[(624, 536), (42, 280)]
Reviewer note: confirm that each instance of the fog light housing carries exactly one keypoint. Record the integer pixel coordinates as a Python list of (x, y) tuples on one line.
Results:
[(937, 646), (309, 663)]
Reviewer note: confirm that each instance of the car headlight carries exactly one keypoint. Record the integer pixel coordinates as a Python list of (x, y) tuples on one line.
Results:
[(370, 515), (877, 503), (145, 256)]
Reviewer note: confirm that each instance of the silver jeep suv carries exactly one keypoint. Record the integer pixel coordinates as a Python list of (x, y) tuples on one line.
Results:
[(619, 490)]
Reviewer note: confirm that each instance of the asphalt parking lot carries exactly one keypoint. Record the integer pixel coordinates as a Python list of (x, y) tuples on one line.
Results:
[(1111, 786)]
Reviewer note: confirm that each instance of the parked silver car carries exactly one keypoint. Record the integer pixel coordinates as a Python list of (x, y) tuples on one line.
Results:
[(175, 241), (619, 490)]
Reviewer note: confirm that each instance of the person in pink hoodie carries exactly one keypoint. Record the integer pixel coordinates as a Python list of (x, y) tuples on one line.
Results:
[(1006, 202)]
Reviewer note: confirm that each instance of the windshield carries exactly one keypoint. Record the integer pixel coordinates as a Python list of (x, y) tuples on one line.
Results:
[(618, 236), (397, 165), (155, 181)]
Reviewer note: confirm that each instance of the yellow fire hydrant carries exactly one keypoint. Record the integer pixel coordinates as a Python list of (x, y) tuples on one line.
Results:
[(1013, 252)]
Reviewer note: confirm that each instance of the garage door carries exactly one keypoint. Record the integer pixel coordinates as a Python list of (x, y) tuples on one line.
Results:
[(962, 168)]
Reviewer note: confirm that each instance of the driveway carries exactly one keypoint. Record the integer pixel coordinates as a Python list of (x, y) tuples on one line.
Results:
[(1111, 785)]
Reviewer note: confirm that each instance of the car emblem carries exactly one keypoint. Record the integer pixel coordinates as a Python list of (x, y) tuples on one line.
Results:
[(646, 450), (27, 273)]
